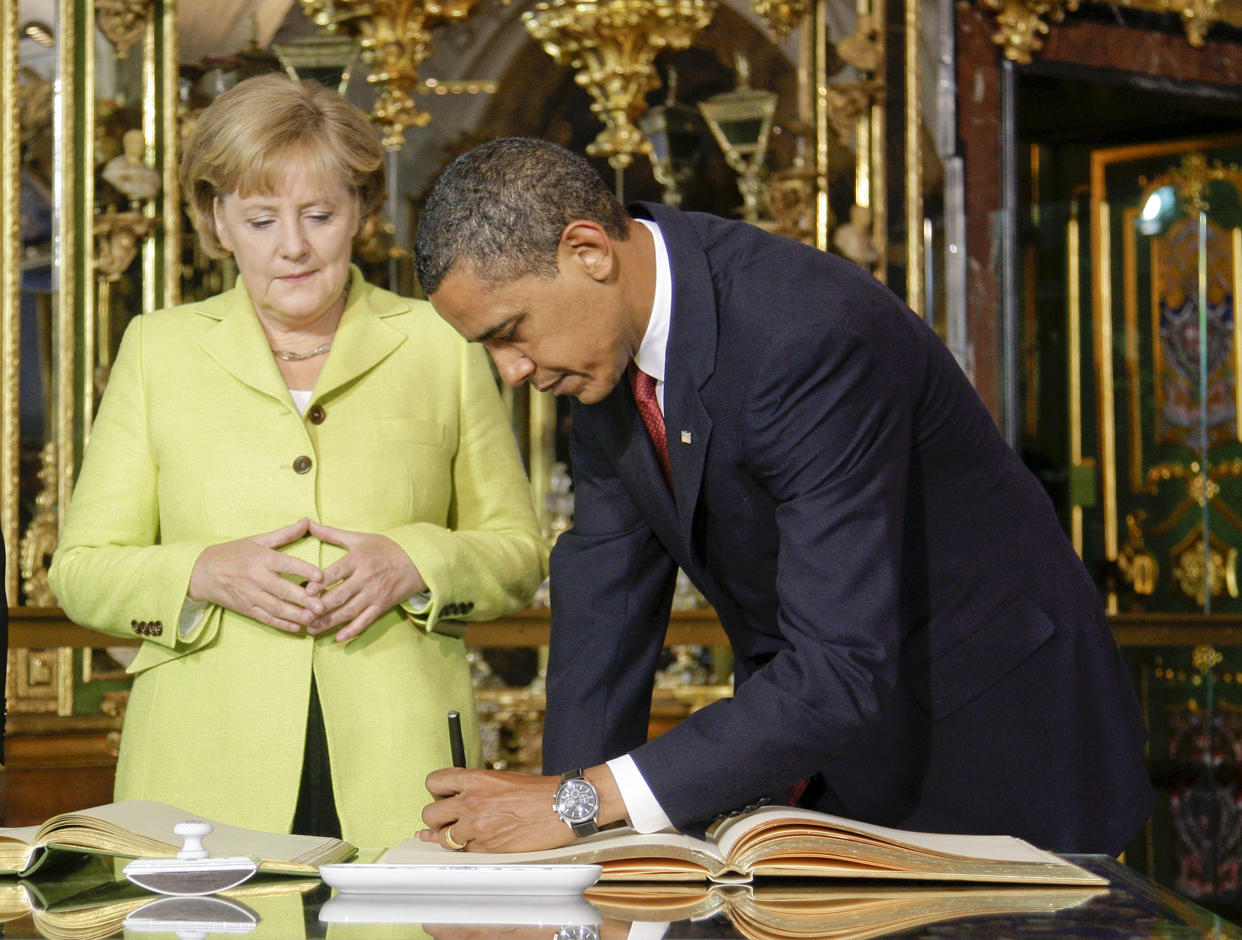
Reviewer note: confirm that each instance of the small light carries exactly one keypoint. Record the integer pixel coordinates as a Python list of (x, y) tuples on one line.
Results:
[(1151, 208), (39, 32)]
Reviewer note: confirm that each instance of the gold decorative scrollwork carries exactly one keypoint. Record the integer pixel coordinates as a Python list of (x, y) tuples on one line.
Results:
[(118, 237), (1201, 575), (122, 21), (41, 537), (1137, 563), (863, 48), (395, 38), (611, 45), (1200, 492), (42, 682), (848, 101), (782, 16), (1023, 24), (1205, 658)]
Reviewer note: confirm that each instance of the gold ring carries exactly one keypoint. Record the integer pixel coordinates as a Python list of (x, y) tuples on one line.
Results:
[(451, 842)]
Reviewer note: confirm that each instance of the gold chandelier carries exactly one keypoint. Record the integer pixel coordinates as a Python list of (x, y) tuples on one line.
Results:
[(611, 44), (395, 37)]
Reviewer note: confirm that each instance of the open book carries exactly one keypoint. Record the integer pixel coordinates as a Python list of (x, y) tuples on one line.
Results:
[(102, 909), (144, 829), (783, 911), (779, 840)]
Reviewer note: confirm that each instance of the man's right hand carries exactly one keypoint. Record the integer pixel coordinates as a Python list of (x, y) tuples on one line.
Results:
[(248, 576)]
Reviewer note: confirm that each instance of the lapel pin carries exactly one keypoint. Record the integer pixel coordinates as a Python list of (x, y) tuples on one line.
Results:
[(685, 437)]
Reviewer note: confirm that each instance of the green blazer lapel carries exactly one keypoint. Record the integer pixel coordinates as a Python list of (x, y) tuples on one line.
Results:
[(238, 344), (363, 338)]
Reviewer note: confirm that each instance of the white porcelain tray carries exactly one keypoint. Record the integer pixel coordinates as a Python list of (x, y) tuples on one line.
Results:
[(524, 880), (495, 910)]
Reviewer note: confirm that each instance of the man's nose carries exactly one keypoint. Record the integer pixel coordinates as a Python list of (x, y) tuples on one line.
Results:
[(513, 367)]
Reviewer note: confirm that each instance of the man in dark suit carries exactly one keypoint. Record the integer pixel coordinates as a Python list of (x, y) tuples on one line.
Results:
[(916, 643)]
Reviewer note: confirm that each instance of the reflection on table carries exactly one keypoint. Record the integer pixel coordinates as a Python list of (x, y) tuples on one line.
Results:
[(88, 903)]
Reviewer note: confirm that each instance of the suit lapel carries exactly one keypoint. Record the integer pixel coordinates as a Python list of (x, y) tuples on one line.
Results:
[(363, 338), (239, 345), (690, 356)]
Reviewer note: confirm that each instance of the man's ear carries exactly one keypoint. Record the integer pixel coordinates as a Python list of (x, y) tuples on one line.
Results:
[(586, 243)]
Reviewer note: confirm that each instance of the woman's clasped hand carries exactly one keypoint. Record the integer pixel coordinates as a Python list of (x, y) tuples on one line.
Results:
[(252, 577)]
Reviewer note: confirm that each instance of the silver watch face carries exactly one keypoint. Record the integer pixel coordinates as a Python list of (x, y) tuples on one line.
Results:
[(577, 932), (576, 801)]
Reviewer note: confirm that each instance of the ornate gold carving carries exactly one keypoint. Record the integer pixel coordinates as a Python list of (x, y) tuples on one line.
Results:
[(113, 705), (1200, 577), (1202, 489), (1200, 492), (849, 101), (1136, 562), (790, 198), (42, 682), (395, 37), (1191, 178), (122, 21), (863, 48), (37, 545), (10, 287), (782, 16), (1023, 24), (611, 44), (1205, 658), (119, 235)]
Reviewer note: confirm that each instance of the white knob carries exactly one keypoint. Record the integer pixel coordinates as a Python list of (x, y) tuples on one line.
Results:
[(193, 831)]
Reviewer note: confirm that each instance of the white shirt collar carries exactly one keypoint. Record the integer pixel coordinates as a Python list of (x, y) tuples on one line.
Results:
[(652, 351)]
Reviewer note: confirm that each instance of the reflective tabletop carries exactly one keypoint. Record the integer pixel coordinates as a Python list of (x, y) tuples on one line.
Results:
[(81, 906)]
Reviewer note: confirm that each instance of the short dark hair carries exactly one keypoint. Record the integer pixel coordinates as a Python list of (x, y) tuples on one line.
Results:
[(501, 208)]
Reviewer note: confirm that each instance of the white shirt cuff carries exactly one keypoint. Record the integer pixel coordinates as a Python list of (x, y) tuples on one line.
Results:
[(647, 930), (641, 807), (191, 614)]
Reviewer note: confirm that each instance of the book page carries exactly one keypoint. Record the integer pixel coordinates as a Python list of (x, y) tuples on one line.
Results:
[(144, 828), (628, 853), (17, 847), (986, 848)]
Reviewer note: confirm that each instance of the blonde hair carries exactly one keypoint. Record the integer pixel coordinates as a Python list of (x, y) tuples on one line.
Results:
[(244, 140)]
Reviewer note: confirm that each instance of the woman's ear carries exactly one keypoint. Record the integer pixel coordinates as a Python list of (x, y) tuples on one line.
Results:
[(218, 222), (586, 243)]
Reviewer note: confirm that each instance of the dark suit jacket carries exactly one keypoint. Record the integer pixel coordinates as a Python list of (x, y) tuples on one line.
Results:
[(910, 625)]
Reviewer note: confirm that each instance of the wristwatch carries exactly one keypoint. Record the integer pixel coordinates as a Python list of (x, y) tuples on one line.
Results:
[(577, 803), (577, 932)]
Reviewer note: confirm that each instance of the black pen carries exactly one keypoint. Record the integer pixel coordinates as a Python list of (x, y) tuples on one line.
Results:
[(456, 744)]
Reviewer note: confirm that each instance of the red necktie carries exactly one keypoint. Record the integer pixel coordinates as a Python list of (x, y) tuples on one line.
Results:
[(649, 407)]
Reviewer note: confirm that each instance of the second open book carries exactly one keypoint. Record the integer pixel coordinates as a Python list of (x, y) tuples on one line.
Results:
[(784, 841), (144, 829)]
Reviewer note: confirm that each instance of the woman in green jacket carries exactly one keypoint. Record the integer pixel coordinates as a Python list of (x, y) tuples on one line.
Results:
[(293, 493)]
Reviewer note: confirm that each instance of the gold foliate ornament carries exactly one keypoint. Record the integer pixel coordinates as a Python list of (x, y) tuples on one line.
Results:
[(1137, 563), (1023, 24), (611, 45), (782, 15), (122, 22), (395, 37)]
